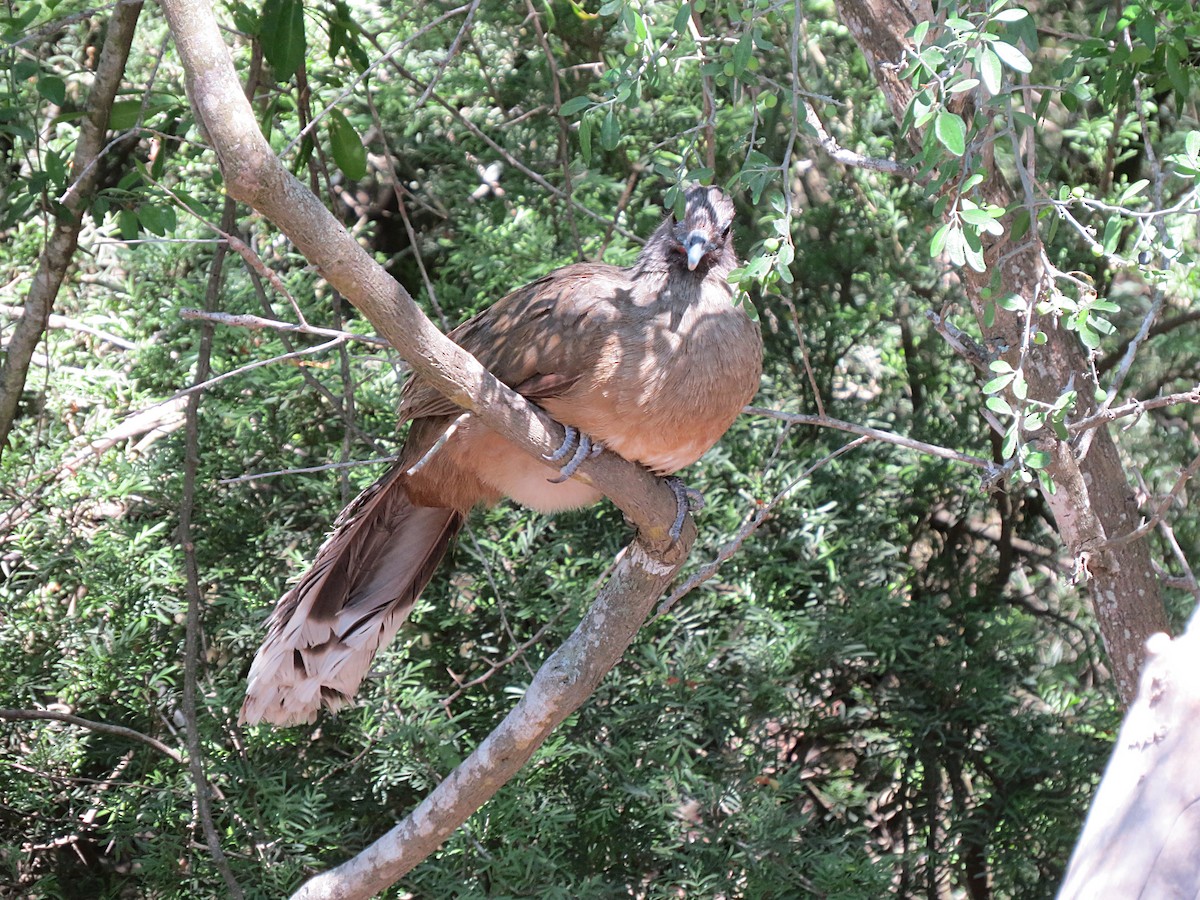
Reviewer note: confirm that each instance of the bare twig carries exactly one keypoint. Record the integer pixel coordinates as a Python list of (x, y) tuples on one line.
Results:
[(1135, 408), (750, 525), (249, 321), (1161, 510), (306, 470), (877, 434), (57, 321), (965, 345), (1118, 379), (191, 652), (455, 45), (17, 715), (840, 154)]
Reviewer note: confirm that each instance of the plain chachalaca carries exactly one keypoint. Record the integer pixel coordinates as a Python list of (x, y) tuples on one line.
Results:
[(653, 362)]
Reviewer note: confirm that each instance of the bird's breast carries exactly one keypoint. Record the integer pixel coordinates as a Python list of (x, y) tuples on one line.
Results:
[(666, 396)]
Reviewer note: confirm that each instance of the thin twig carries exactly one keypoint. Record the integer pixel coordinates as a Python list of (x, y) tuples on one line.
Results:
[(192, 628), (877, 434), (243, 320), (1123, 369), (1135, 408), (760, 514), (840, 154), (17, 715), (455, 45), (307, 470), (1161, 510), (57, 321)]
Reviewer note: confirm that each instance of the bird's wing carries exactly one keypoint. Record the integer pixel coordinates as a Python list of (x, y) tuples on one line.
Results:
[(539, 339)]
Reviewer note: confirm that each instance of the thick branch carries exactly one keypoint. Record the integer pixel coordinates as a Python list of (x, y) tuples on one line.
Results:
[(253, 174)]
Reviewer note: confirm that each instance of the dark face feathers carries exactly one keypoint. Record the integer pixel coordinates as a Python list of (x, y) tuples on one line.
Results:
[(704, 233)]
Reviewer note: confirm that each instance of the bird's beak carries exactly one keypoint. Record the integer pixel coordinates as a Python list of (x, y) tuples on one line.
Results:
[(697, 246)]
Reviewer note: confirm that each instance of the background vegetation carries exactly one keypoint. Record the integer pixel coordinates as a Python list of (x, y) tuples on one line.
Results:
[(894, 685)]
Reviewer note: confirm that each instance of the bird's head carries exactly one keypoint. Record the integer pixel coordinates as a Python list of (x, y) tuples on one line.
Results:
[(704, 234)]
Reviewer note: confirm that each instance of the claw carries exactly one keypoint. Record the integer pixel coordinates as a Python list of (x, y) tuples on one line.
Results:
[(569, 438), (686, 500), (587, 448)]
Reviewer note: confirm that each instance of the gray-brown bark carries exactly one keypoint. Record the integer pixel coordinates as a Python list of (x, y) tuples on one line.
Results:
[(1093, 502), (60, 248)]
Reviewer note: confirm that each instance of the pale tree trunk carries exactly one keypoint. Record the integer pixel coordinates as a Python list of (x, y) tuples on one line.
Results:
[(1143, 830), (64, 239), (1093, 502)]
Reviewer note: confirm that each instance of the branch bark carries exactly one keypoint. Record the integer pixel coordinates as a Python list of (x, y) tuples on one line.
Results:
[(60, 248), (254, 175), (1093, 500)]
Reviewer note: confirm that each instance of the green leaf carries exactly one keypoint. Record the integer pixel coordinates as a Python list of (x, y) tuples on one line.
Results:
[(1010, 15), (128, 224), (1178, 74), (1112, 234), (53, 89), (124, 115), (681, 18), (951, 131), (1012, 57), (938, 243), (348, 150), (585, 139), (742, 52), (998, 383), (610, 132), (157, 218), (574, 105), (999, 405), (282, 35), (1037, 459)]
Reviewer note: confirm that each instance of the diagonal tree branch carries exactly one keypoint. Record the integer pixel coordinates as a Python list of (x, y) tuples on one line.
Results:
[(253, 174)]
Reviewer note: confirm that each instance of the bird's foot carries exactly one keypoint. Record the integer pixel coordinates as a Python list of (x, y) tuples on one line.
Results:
[(686, 500), (576, 444)]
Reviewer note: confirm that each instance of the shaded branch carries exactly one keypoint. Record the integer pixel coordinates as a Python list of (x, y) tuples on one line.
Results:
[(877, 434), (129, 734)]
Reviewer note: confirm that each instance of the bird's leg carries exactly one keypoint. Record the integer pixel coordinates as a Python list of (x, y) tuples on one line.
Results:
[(686, 500), (586, 448)]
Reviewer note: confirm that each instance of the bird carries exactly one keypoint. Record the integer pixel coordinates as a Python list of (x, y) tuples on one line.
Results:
[(652, 362)]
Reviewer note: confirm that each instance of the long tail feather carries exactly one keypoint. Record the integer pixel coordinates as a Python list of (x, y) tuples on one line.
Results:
[(326, 630)]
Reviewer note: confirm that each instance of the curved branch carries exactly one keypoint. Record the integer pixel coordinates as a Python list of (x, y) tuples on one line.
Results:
[(29, 715)]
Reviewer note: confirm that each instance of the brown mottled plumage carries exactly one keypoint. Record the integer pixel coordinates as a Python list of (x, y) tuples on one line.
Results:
[(653, 361)]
